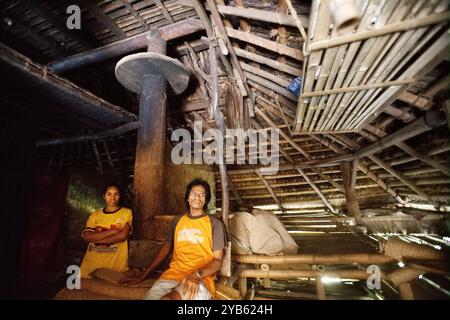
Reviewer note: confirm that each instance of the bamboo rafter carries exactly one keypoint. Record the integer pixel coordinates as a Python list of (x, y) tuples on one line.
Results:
[(350, 79)]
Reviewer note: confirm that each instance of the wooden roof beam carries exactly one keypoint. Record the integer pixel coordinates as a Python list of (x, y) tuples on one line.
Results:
[(269, 188), (255, 14), (432, 119), (104, 19), (122, 47), (402, 178)]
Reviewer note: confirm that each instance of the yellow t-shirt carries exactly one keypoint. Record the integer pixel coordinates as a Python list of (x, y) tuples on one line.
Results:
[(110, 256), (194, 240)]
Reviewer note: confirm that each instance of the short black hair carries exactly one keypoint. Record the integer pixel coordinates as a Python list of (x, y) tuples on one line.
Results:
[(198, 182), (112, 184)]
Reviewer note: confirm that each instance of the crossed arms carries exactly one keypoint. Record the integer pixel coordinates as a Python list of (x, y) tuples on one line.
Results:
[(107, 236)]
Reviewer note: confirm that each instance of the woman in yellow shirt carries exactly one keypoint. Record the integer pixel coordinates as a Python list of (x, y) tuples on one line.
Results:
[(107, 232)]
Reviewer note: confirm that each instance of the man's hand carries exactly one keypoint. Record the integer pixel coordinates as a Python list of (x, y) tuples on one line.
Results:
[(189, 286), (129, 281)]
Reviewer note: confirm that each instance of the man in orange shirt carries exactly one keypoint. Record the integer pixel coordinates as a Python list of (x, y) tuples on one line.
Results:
[(197, 240)]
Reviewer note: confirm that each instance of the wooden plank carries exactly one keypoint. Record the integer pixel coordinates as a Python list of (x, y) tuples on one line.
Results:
[(262, 15), (268, 75), (266, 44), (268, 62)]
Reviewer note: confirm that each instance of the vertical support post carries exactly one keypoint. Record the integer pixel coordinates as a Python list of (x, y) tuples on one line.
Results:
[(149, 162), (243, 287), (320, 288), (351, 200)]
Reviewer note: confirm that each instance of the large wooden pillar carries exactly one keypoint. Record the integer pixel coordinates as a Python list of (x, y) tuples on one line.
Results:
[(149, 165), (148, 74)]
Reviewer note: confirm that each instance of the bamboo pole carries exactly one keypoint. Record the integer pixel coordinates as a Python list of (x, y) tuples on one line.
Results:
[(358, 88), (391, 55), (418, 182), (442, 271), (210, 33), (282, 34), (287, 110), (108, 154), (404, 275), (234, 190), (233, 58), (324, 79), (390, 28), (317, 191), (323, 259), (293, 274), (298, 22), (271, 191)]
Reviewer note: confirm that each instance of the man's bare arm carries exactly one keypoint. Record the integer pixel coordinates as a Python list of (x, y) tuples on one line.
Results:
[(162, 254), (214, 266)]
